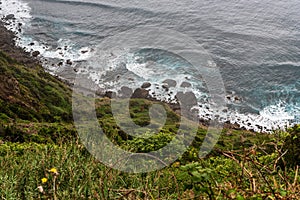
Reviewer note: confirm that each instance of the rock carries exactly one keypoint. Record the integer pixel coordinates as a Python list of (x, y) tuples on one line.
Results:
[(236, 98), (100, 92), (126, 91), (69, 62), (35, 53), (187, 98), (110, 94), (10, 17), (166, 87), (187, 101), (140, 93), (170, 82), (84, 51), (185, 85), (146, 85), (60, 63)]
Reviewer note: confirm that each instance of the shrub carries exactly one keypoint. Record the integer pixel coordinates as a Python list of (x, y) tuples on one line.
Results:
[(291, 145)]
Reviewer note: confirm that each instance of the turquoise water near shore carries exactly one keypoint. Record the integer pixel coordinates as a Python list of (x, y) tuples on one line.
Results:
[(256, 46)]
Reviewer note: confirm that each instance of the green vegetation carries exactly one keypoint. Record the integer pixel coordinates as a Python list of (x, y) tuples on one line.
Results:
[(37, 138), (32, 94)]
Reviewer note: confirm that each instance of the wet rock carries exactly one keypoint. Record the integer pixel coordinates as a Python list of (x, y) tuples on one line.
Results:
[(187, 101), (100, 92), (69, 62), (236, 98), (140, 93), (10, 17), (110, 94), (166, 87), (35, 53), (126, 91), (146, 85), (170, 82), (185, 85)]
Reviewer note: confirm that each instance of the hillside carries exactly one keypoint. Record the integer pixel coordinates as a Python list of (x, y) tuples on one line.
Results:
[(29, 93), (42, 157)]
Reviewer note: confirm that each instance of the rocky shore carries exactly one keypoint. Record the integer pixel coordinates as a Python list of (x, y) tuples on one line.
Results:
[(7, 45)]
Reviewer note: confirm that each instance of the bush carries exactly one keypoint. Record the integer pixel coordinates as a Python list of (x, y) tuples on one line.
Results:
[(292, 157)]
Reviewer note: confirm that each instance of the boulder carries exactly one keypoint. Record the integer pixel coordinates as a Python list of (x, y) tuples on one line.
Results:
[(69, 62), (140, 93), (185, 85), (170, 82), (10, 17), (110, 94), (126, 92), (35, 53), (146, 85)]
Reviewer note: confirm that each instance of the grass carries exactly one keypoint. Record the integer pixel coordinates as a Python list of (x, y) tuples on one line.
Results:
[(32, 94), (37, 135), (243, 165), (247, 173)]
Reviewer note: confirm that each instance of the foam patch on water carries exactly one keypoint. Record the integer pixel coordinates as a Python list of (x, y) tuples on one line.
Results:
[(272, 117), (118, 71), (17, 17), (130, 72), (20, 11)]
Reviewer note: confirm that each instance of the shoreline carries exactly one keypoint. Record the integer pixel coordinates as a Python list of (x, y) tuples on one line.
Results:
[(8, 45)]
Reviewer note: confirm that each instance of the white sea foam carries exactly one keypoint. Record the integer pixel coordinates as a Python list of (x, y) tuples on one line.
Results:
[(53, 59), (272, 117), (280, 115), (19, 9)]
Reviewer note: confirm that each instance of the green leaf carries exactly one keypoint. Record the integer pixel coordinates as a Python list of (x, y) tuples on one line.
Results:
[(283, 192), (239, 197)]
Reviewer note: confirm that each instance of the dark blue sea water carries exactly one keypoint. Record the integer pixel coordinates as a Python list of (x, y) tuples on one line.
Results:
[(255, 45)]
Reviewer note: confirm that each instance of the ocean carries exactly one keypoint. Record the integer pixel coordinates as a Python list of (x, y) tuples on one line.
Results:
[(254, 44)]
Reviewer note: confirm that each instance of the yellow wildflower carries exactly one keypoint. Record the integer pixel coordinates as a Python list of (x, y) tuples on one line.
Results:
[(44, 180), (176, 164), (53, 170)]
